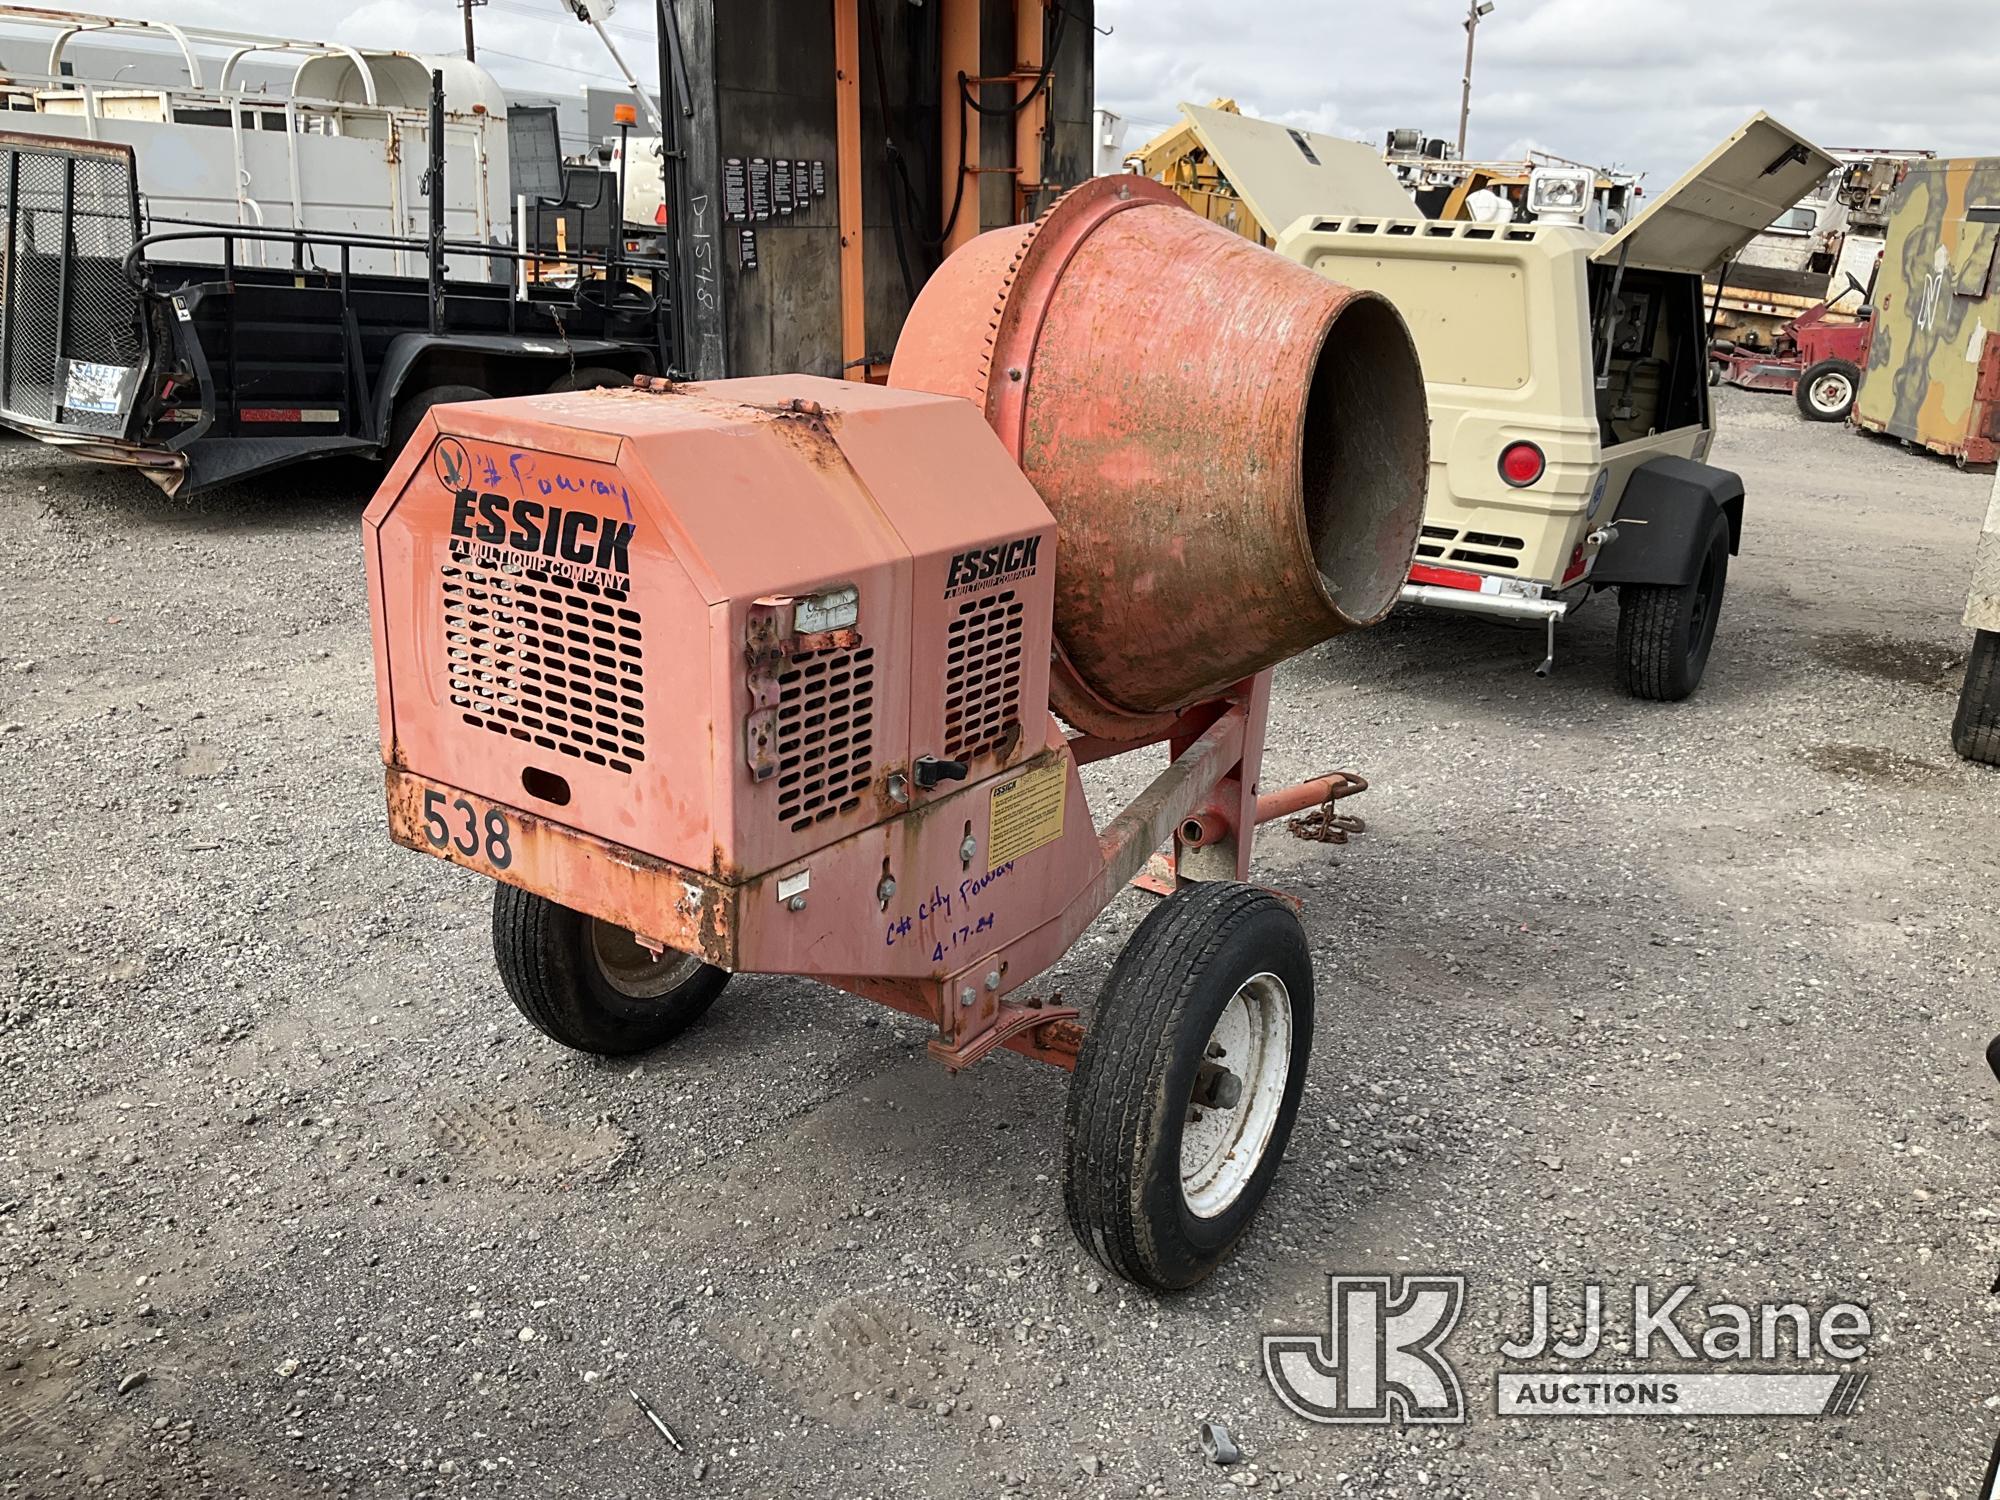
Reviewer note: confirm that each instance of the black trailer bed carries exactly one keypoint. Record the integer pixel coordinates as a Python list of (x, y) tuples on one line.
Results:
[(170, 350)]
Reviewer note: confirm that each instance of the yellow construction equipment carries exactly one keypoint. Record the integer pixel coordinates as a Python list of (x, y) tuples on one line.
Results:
[(1177, 158)]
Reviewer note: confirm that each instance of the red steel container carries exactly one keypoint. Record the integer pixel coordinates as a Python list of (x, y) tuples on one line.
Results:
[(1235, 449)]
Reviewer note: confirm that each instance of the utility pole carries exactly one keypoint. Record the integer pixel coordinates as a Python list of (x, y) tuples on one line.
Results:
[(1474, 9), (471, 55)]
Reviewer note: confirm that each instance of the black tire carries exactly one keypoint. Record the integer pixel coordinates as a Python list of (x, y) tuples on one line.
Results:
[(410, 411), (1975, 732), (555, 966), (1825, 393), (1665, 630), (590, 378), (1126, 1187)]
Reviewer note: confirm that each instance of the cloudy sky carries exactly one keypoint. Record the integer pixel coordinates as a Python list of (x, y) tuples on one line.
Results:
[(1647, 84)]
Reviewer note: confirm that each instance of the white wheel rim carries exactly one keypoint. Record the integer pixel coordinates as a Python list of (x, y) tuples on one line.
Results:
[(633, 969), (1829, 392), (1221, 1149)]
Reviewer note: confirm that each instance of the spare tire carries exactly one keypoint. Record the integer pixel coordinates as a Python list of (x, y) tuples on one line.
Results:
[(1975, 731)]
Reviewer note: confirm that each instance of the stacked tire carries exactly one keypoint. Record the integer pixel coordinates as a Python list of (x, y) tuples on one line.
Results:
[(1975, 733)]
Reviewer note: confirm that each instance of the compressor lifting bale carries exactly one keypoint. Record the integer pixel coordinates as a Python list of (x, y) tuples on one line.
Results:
[(757, 675)]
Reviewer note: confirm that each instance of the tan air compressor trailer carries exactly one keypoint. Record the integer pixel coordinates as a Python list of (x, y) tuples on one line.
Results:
[(1567, 375)]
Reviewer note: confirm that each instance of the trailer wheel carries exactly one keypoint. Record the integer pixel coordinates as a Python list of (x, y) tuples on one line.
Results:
[(1665, 630), (1188, 1083), (590, 984), (410, 411), (590, 378), (1975, 732), (1825, 392)]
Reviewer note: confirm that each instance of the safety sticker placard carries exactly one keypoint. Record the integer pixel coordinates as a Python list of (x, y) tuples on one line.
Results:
[(1027, 813)]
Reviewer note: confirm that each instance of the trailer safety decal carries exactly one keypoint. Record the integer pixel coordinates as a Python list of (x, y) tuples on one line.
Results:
[(1027, 813)]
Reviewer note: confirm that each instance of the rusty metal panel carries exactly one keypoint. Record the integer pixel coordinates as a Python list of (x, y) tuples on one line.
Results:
[(1935, 311), (721, 621), (681, 908)]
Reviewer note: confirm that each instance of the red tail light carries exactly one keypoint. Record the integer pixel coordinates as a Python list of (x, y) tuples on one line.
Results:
[(1521, 464)]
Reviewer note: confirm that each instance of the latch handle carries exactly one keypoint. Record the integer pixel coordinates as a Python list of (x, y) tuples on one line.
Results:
[(928, 771)]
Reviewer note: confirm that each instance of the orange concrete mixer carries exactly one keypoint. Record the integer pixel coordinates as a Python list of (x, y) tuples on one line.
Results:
[(757, 675), (1211, 433)]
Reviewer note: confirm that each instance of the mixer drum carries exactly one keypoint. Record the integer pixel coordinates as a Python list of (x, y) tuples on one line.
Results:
[(1235, 448)]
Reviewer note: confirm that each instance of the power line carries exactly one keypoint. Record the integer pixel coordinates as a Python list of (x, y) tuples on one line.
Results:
[(526, 10), (538, 62)]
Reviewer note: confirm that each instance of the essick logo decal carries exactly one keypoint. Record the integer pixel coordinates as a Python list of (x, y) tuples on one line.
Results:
[(453, 465), (574, 543), (1001, 563)]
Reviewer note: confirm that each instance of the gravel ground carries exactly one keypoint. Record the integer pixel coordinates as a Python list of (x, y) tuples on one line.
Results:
[(291, 1202)]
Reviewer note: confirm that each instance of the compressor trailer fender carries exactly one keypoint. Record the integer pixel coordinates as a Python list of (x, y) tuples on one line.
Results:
[(1664, 520), (1667, 553)]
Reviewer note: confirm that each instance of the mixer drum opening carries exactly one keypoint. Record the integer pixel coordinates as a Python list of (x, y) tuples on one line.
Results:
[(1365, 417), (1235, 449)]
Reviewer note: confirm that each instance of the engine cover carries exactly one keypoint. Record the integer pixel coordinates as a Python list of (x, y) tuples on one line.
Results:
[(717, 625)]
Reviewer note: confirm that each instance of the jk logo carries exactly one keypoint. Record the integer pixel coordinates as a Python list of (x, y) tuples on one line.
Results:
[(1378, 1361)]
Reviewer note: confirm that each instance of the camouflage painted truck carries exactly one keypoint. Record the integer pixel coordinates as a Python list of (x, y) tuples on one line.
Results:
[(1933, 372), (1567, 372)]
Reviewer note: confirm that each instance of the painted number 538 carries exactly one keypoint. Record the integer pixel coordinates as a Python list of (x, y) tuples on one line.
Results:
[(458, 824)]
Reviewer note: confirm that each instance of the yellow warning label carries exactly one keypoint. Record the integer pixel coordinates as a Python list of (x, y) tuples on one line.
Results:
[(1027, 813)]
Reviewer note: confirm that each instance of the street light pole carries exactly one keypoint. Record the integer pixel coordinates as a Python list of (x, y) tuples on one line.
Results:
[(1474, 9)]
